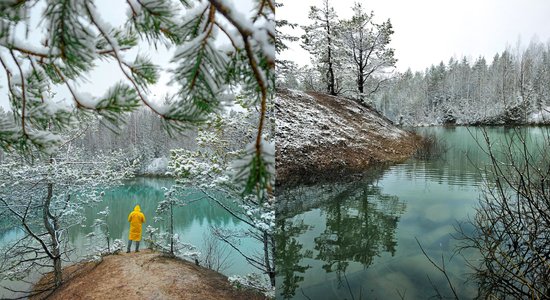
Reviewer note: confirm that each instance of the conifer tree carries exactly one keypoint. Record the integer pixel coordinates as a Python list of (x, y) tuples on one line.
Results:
[(320, 39), (77, 37), (367, 50)]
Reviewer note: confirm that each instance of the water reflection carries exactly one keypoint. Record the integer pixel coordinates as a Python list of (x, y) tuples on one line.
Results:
[(358, 224), (289, 254), (358, 238)]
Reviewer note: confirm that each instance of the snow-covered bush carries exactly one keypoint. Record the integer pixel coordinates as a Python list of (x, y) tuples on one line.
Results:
[(172, 245), (151, 236)]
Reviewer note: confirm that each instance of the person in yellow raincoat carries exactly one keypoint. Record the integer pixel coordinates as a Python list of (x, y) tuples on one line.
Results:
[(136, 219)]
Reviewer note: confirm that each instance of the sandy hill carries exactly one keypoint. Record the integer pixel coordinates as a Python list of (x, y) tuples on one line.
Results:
[(145, 275), (324, 137)]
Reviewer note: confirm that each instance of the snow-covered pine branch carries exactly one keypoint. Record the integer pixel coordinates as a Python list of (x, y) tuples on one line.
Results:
[(209, 67), (211, 170)]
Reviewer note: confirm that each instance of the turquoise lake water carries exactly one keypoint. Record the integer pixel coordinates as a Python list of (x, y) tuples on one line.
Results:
[(192, 223), (356, 240)]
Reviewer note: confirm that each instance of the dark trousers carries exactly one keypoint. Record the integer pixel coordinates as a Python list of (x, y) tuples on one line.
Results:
[(130, 245)]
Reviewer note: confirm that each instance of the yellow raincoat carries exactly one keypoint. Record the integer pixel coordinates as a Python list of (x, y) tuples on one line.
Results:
[(136, 218)]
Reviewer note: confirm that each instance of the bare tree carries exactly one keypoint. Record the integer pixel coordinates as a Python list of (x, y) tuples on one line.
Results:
[(45, 199), (215, 255), (511, 227)]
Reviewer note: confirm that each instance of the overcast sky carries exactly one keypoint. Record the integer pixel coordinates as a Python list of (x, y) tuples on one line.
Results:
[(426, 32), (430, 31)]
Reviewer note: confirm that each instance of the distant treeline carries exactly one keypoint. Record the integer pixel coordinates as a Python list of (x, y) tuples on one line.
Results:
[(142, 137), (515, 84)]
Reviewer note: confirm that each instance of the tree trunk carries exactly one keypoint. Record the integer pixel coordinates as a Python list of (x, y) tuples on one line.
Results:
[(503, 87), (274, 271), (171, 229), (52, 226), (361, 85), (361, 69), (330, 71), (330, 78), (360, 82), (268, 266)]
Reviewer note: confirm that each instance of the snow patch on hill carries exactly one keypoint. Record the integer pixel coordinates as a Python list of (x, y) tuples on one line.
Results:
[(158, 166), (317, 133)]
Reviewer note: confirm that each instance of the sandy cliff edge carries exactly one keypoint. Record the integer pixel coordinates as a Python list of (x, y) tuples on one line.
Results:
[(144, 275)]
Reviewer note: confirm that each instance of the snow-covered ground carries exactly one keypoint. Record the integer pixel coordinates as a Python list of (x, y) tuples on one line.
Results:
[(318, 133)]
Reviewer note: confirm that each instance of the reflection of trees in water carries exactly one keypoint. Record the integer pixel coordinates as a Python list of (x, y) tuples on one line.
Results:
[(460, 164), (289, 254), (293, 200), (360, 224)]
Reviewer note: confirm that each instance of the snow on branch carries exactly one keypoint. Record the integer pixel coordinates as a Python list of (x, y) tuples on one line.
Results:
[(76, 37)]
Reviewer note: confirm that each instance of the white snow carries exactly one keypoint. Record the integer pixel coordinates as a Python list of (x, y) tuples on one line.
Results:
[(262, 36), (309, 126), (158, 166), (540, 117), (14, 41), (133, 8), (86, 99), (52, 108), (236, 15), (319, 124)]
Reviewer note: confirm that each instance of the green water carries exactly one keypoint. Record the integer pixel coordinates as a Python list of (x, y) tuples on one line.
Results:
[(191, 222), (356, 240)]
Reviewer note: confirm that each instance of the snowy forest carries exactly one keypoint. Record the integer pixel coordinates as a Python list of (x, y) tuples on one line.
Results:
[(509, 88), (64, 150), (356, 60), (142, 137)]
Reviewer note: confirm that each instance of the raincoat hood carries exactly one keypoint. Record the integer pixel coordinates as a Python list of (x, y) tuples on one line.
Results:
[(137, 208)]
